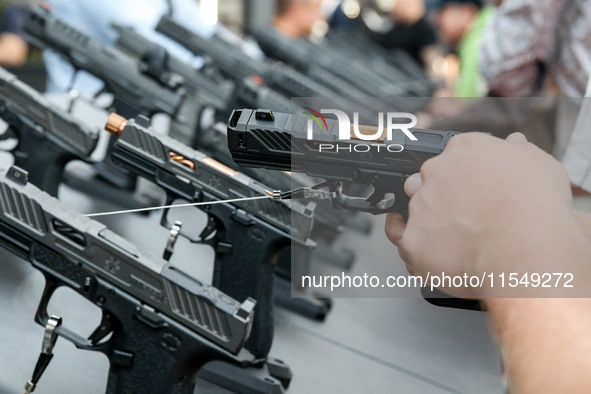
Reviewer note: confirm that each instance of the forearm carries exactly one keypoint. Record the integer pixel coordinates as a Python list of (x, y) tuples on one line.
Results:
[(545, 343), (584, 221)]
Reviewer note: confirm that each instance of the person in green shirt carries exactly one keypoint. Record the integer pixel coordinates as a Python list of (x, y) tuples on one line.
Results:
[(460, 24)]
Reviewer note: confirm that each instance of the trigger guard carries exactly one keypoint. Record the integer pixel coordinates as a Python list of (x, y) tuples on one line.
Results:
[(42, 317), (360, 204), (166, 224), (51, 285)]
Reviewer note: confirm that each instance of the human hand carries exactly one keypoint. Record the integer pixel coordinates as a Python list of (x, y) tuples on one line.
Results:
[(395, 224), (407, 12), (472, 211)]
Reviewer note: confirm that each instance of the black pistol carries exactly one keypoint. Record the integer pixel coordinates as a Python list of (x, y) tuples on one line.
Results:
[(291, 142), (48, 138), (159, 326), (281, 143), (124, 76), (246, 236)]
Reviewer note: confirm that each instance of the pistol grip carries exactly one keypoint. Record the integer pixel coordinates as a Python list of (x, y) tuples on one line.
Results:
[(44, 161), (145, 364), (438, 298), (244, 267)]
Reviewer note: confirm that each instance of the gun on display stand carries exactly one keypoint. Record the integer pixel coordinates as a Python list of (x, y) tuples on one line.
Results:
[(247, 237), (329, 224), (48, 138), (203, 90), (159, 325), (316, 61), (123, 75), (134, 90)]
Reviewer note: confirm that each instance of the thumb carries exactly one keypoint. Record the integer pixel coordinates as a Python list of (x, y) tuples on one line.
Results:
[(517, 137), (413, 184)]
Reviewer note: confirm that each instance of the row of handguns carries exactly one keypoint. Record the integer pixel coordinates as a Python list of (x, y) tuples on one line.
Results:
[(160, 325)]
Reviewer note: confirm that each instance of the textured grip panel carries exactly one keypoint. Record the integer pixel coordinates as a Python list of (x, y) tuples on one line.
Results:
[(46, 259), (198, 310), (151, 367), (248, 270), (22, 208)]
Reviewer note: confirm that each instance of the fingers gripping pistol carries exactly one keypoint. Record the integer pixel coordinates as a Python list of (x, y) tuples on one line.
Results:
[(288, 142)]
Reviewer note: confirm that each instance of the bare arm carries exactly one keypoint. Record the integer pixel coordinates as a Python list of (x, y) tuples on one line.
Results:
[(584, 220), (545, 343)]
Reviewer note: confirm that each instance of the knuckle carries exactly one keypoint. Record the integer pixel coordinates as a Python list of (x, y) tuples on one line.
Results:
[(394, 227), (458, 141), (410, 247), (462, 140), (429, 167)]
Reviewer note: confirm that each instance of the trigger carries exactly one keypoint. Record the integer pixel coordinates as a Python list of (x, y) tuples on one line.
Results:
[(103, 329), (377, 196), (8, 134), (209, 229)]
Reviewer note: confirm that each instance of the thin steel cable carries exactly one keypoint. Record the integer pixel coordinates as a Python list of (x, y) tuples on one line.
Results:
[(175, 206)]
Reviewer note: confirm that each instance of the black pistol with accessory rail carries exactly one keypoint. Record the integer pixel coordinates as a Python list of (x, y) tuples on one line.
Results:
[(281, 143), (287, 142), (48, 138), (125, 76), (159, 326)]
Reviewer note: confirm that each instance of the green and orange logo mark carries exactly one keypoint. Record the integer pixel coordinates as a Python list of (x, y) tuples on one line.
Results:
[(318, 115)]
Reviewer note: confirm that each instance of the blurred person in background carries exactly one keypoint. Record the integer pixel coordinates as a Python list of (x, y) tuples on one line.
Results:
[(543, 47), (532, 46), (411, 31), (393, 24), (95, 18), (296, 18), (13, 48), (460, 24)]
